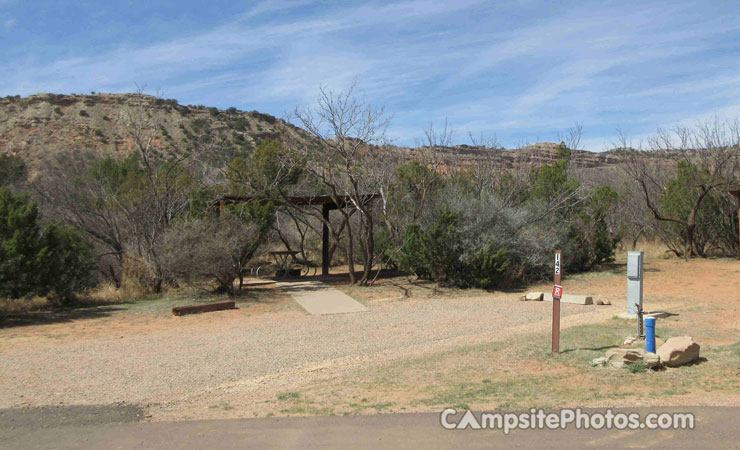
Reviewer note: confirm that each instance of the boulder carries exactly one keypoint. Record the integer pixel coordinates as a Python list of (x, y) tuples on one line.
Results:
[(652, 360), (678, 350), (622, 357), (533, 296), (602, 301)]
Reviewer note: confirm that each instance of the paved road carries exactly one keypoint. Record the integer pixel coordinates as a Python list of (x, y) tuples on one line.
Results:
[(716, 427)]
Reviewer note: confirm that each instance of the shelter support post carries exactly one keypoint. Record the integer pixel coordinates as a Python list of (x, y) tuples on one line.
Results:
[(325, 242)]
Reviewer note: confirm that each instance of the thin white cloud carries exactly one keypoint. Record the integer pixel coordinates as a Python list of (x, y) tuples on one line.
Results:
[(593, 64)]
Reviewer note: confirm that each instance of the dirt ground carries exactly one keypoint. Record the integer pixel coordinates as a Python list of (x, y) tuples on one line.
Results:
[(422, 351)]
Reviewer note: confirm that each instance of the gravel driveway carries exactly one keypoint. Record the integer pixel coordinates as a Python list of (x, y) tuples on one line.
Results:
[(179, 358)]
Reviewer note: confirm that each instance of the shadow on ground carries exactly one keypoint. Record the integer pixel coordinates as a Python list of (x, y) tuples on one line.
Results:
[(58, 315), (75, 415), (595, 349)]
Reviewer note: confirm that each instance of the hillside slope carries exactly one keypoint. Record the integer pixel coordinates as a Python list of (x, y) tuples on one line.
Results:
[(39, 126), (43, 125)]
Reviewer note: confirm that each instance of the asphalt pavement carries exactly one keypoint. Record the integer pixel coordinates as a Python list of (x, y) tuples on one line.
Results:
[(119, 426)]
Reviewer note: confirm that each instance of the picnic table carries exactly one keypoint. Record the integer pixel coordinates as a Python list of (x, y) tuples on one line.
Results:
[(287, 261), (282, 258)]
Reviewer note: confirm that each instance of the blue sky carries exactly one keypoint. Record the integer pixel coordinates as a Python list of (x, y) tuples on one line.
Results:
[(522, 71)]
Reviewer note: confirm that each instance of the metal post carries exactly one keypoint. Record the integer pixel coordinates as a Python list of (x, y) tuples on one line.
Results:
[(556, 305)]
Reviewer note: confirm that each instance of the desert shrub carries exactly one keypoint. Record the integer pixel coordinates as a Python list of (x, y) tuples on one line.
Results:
[(84, 113), (20, 246), (138, 277), (434, 252), (439, 253), (590, 241), (69, 262), (12, 170), (55, 260), (208, 248), (411, 258), (471, 229), (488, 267)]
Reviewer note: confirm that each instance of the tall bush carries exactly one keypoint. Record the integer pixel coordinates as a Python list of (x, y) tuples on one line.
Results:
[(55, 260)]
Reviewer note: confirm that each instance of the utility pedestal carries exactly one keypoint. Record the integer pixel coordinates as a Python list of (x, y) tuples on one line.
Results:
[(634, 282)]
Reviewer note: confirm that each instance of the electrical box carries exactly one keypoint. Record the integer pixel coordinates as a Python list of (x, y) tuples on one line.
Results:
[(634, 282), (634, 265)]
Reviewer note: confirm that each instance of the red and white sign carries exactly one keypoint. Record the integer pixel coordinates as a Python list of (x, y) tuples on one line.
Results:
[(557, 291)]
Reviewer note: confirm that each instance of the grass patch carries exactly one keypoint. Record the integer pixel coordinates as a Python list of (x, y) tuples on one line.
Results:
[(223, 405), (381, 406), (285, 396)]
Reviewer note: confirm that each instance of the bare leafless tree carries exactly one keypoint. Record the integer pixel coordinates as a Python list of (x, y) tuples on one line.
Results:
[(712, 146), (342, 162)]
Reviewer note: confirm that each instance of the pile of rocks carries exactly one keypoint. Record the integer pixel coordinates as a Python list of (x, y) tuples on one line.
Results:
[(675, 352)]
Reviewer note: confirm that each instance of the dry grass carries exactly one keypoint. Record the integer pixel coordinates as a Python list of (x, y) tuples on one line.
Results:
[(522, 374), (653, 249), (21, 305)]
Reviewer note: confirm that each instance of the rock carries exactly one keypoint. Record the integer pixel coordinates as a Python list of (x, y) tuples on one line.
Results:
[(603, 302), (599, 362), (622, 357), (533, 296), (652, 360), (629, 341), (678, 350), (572, 298)]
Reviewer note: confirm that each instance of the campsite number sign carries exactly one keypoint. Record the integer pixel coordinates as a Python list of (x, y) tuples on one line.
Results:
[(557, 293)]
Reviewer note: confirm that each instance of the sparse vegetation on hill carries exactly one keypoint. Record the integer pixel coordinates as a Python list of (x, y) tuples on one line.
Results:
[(41, 126)]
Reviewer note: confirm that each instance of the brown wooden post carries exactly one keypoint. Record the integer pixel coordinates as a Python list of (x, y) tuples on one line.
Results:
[(556, 304), (325, 242), (736, 194)]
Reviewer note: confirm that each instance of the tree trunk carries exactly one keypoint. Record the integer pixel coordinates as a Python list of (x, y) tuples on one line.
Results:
[(350, 250), (689, 248)]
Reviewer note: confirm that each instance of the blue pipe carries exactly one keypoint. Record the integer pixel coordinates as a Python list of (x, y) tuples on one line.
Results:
[(650, 334)]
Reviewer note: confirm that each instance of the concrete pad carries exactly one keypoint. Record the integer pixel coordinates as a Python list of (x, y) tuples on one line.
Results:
[(571, 298), (318, 298)]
